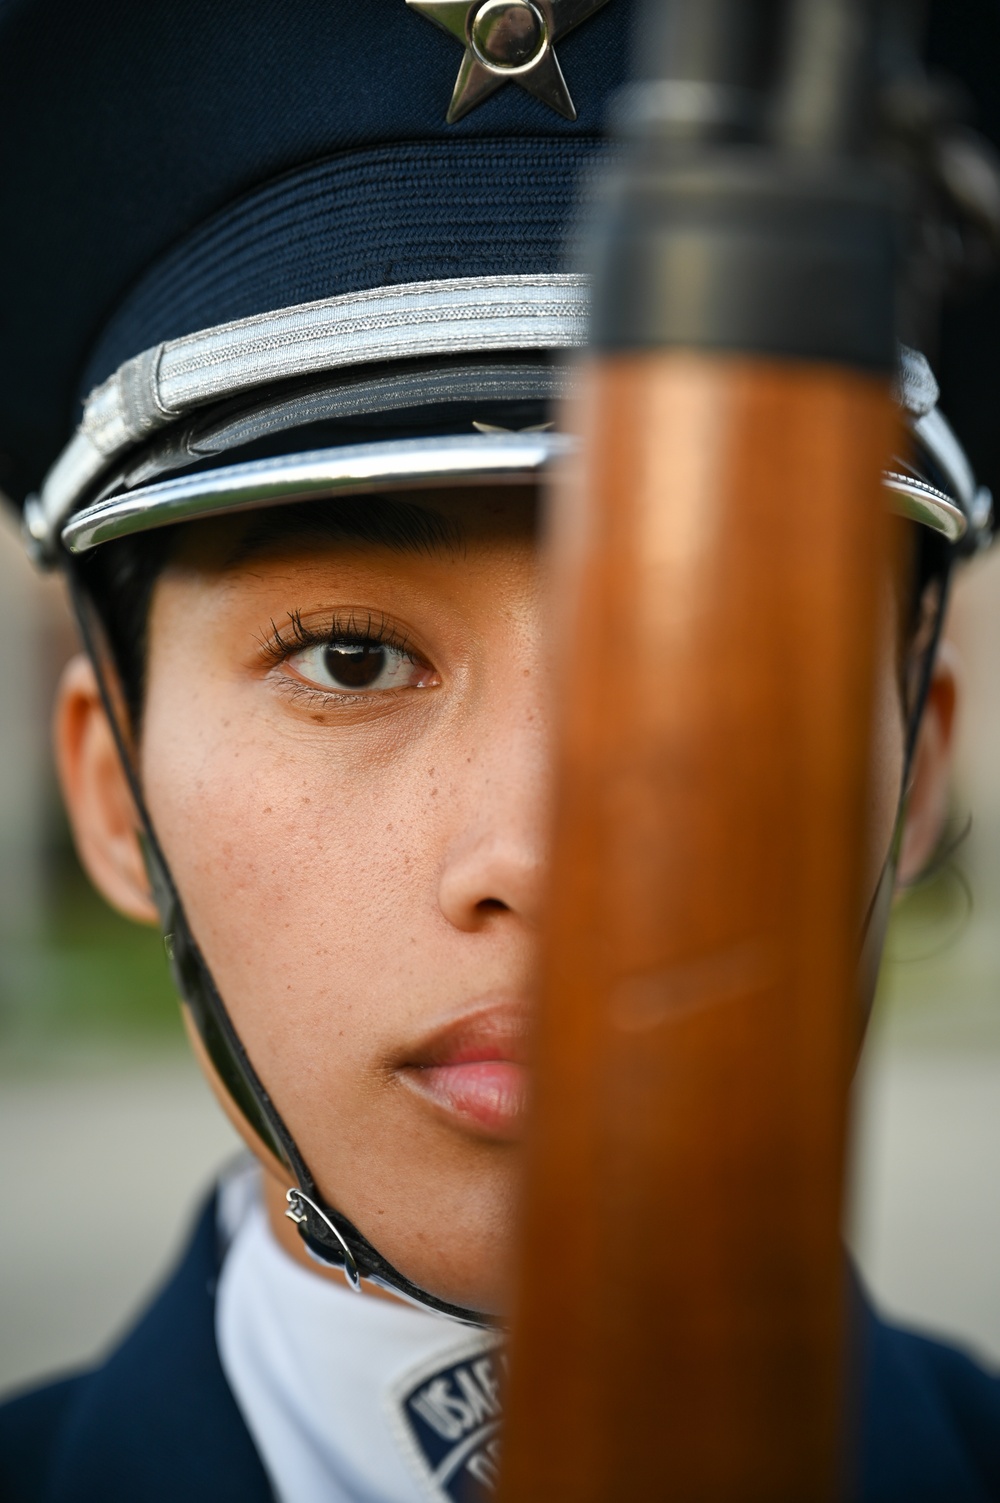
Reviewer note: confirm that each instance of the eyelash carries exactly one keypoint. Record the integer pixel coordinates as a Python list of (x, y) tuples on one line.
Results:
[(284, 642)]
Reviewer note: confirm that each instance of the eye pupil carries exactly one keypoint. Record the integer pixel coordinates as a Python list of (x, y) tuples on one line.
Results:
[(354, 666)]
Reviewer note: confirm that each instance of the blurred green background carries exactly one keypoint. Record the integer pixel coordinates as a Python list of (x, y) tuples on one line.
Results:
[(82, 979)]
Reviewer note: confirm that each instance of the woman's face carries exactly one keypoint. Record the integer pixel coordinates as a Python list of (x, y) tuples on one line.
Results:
[(345, 753)]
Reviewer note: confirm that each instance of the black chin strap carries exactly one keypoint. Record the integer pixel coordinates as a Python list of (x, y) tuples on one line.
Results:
[(328, 1235), (880, 909)]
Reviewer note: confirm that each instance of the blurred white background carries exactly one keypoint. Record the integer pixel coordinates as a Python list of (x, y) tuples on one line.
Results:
[(108, 1138)]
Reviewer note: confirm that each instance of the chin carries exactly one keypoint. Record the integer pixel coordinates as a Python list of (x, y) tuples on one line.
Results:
[(453, 1235)]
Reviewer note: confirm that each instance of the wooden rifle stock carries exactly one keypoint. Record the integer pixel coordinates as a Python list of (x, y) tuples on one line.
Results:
[(679, 1322), (719, 565)]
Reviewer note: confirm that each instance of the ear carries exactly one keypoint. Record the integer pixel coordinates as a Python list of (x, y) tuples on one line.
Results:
[(101, 809), (930, 776)]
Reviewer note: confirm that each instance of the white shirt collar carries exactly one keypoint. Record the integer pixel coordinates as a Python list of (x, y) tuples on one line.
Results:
[(350, 1399)]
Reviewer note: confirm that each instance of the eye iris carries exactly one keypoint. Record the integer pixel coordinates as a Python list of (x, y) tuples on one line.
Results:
[(354, 667)]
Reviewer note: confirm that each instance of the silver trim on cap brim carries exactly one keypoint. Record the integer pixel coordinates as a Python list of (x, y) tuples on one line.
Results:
[(923, 503), (393, 464), (358, 469)]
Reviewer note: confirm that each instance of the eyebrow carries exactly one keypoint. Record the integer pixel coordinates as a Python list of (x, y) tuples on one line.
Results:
[(397, 525)]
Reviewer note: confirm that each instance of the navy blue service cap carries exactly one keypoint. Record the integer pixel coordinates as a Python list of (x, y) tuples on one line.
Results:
[(290, 248)]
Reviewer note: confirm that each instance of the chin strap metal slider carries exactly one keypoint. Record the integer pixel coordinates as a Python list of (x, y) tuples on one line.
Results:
[(316, 1229)]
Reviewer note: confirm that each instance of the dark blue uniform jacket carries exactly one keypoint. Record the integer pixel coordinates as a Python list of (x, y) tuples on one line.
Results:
[(157, 1422)]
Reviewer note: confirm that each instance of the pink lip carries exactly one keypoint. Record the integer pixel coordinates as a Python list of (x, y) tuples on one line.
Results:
[(473, 1068)]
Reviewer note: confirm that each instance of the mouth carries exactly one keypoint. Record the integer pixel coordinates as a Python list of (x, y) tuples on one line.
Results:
[(473, 1069)]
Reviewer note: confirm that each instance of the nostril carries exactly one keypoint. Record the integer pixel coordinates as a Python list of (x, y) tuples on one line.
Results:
[(492, 905)]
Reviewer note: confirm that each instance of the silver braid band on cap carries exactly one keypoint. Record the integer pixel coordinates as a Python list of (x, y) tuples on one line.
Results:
[(356, 335), (464, 315)]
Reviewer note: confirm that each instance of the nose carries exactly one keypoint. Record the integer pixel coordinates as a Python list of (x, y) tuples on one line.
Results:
[(495, 861)]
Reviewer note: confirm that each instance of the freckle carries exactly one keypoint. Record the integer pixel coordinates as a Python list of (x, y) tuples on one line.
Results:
[(525, 672), (267, 810), (430, 772), (317, 718)]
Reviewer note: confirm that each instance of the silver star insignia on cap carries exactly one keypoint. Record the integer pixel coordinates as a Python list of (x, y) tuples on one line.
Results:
[(508, 41)]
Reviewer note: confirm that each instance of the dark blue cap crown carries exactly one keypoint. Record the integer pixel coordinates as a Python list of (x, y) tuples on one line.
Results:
[(170, 166)]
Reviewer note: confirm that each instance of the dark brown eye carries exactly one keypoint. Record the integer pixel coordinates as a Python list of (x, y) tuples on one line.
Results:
[(354, 666), (361, 667)]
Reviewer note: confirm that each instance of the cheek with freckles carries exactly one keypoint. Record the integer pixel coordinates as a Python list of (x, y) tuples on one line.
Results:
[(308, 885)]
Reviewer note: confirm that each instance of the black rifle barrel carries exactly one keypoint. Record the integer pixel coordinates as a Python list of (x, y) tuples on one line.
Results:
[(747, 217)]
